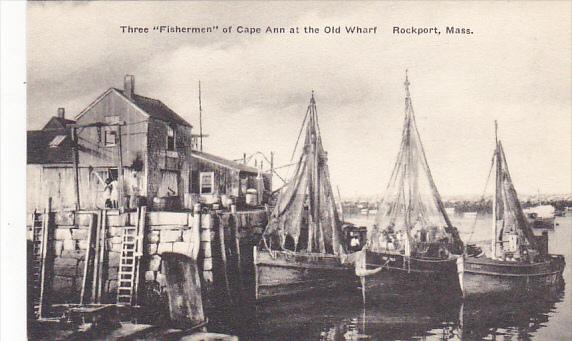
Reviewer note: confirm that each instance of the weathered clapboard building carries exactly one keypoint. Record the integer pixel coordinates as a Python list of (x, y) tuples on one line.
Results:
[(137, 141), (216, 176), (140, 143), (49, 159), (141, 136)]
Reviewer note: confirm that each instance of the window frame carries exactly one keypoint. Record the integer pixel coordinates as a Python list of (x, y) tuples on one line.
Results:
[(105, 137), (201, 182), (171, 134)]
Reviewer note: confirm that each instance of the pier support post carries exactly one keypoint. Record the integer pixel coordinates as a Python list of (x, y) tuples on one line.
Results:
[(205, 226)]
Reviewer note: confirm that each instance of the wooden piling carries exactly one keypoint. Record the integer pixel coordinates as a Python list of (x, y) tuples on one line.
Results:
[(101, 256), (206, 259), (236, 236), (46, 247), (183, 289), (92, 227), (96, 252), (141, 231), (195, 225), (223, 258)]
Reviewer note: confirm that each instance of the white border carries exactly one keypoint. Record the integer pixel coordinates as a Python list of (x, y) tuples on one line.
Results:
[(13, 170)]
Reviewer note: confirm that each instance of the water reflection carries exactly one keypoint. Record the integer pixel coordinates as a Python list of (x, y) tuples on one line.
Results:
[(514, 321), (343, 318), (411, 318)]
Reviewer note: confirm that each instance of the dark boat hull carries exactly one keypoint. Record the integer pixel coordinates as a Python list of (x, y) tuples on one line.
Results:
[(409, 275), (542, 223), (485, 277), (286, 273)]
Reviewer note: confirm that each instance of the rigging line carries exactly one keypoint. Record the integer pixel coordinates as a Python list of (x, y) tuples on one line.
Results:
[(428, 170), (258, 153), (483, 196), (394, 172), (300, 133), (278, 175), (287, 165)]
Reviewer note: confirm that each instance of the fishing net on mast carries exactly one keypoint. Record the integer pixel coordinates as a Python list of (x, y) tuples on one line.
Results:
[(305, 217), (508, 209), (411, 214)]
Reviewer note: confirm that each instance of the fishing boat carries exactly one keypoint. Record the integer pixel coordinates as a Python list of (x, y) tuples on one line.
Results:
[(412, 246), (541, 216), (519, 263), (302, 247)]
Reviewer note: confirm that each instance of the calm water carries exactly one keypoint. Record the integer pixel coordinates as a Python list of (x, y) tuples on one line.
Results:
[(434, 318)]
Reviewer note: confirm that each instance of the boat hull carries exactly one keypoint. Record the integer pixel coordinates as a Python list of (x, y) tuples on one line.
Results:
[(400, 275), (543, 222), (287, 273), (485, 277)]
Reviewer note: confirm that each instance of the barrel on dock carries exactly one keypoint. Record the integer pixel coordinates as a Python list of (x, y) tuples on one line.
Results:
[(183, 289)]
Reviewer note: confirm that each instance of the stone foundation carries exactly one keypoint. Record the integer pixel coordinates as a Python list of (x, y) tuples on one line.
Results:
[(165, 232)]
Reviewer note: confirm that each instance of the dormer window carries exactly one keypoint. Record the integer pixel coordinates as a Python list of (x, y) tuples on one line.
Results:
[(57, 141), (170, 138)]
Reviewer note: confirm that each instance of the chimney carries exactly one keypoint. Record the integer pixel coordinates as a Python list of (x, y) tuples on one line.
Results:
[(129, 86), (62, 113)]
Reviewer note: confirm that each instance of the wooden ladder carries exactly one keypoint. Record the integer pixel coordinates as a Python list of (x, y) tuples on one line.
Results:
[(38, 234), (40, 246), (131, 252)]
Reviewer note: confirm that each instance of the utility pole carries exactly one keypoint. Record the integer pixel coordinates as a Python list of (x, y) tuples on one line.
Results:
[(75, 167)]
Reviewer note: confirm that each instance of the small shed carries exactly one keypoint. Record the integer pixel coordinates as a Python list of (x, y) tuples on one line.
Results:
[(214, 177)]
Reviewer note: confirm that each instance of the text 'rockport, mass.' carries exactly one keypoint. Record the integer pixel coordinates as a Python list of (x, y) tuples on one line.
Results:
[(412, 30)]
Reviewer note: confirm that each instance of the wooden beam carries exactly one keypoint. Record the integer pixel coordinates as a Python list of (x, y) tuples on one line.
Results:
[(75, 167), (92, 226), (100, 269), (120, 169), (45, 228), (96, 253), (183, 290), (223, 258)]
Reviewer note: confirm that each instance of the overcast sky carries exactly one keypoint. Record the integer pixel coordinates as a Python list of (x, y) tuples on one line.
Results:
[(515, 68)]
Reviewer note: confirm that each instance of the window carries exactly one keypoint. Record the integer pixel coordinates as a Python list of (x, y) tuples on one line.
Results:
[(113, 119), (112, 173), (110, 137), (169, 185), (207, 182), (57, 141), (170, 138)]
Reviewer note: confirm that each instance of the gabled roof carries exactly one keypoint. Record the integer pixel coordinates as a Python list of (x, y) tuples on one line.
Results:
[(57, 123), (148, 106), (40, 151), (156, 109), (223, 162)]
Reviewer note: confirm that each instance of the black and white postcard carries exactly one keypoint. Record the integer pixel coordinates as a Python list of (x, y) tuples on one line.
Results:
[(286, 170)]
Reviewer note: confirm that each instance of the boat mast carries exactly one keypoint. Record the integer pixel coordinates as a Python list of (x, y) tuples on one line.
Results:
[(494, 225), (407, 169), (318, 156)]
